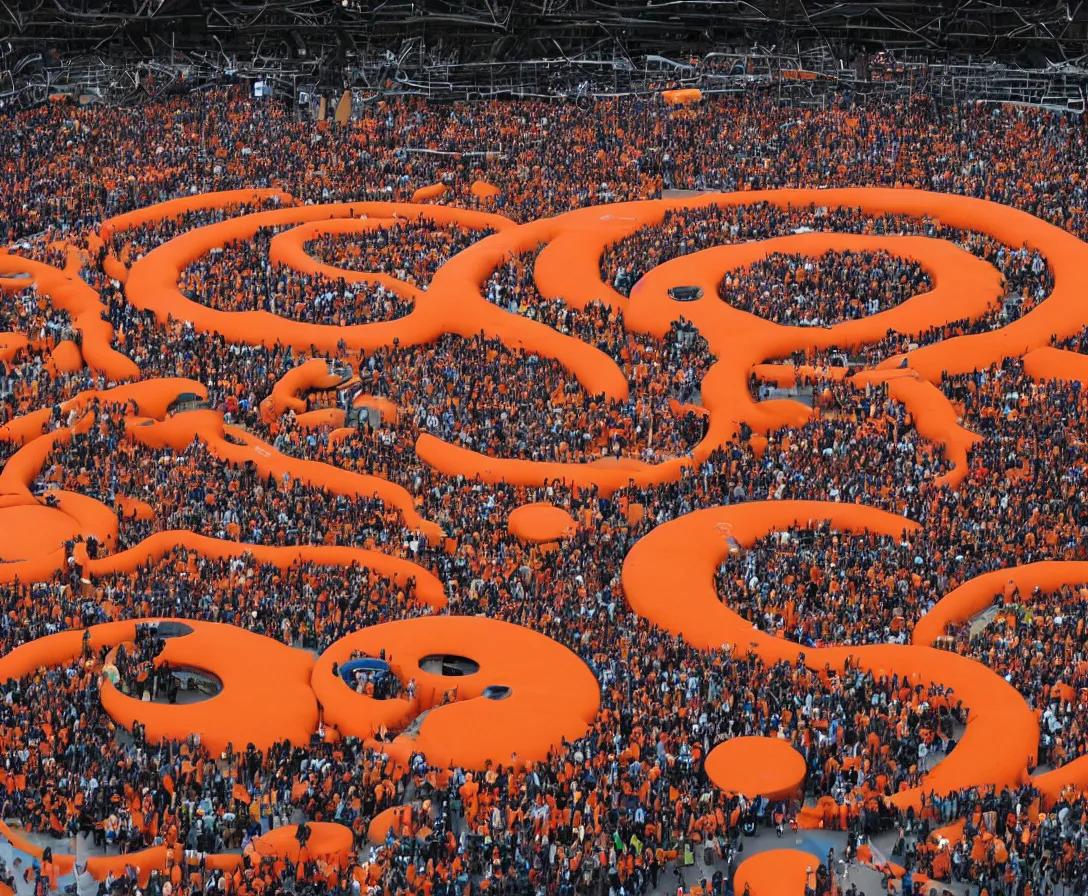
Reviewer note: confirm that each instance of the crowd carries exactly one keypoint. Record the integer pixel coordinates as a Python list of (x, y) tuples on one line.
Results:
[(28, 378), (130, 245), (410, 250), (193, 490), (1025, 273), (1037, 641), (826, 587), (800, 291), (616, 811), (241, 277)]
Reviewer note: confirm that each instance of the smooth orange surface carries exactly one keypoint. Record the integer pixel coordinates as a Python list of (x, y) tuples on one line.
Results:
[(680, 97), (971, 598), (1073, 775), (66, 357), (554, 694), (540, 523), (10, 343), (384, 406), (484, 190), (776, 872), (431, 191), (32, 530), (1056, 364), (757, 766)]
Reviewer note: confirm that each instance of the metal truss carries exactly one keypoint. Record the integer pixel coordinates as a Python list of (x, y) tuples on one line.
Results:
[(118, 50)]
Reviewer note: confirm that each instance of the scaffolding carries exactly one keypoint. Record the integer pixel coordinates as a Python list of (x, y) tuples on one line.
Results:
[(805, 79)]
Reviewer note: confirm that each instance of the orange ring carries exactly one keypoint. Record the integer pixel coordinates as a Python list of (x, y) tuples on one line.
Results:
[(552, 694), (668, 578), (256, 673)]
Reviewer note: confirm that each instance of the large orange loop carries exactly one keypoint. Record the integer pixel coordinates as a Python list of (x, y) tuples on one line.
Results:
[(521, 696), (964, 287), (570, 265), (680, 594), (289, 247), (260, 669), (153, 279), (668, 577)]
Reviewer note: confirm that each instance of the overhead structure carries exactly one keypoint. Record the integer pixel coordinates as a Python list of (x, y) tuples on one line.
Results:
[(117, 49)]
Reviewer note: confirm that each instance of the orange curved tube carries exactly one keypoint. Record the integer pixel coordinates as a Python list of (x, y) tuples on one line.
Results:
[(429, 588), (66, 358), (85, 307), (289, 247), (976, 595), (152, 398), (484, 190), (553, 695), (256, 673), (286, 394), (153, 279), (10, 345), (431, 191), (668, 578)]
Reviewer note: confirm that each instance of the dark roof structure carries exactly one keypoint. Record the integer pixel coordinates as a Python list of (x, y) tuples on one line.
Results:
[(482, 45)]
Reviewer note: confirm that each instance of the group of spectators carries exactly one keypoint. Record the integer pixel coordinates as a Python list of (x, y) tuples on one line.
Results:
[(617, 811), (1026, 275), (410, 250), (804, 291), (241, 277), (28, 378), (824, 587)]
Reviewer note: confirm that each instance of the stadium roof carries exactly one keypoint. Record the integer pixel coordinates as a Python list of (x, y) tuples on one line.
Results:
[(315, 42)]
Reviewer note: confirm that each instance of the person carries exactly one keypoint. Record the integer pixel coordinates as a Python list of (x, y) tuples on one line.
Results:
[(858, 445)]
